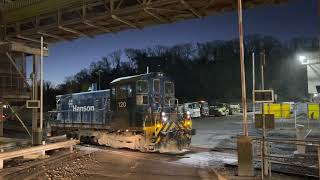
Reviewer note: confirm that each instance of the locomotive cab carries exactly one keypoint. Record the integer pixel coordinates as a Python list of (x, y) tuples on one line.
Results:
[(135, 98)]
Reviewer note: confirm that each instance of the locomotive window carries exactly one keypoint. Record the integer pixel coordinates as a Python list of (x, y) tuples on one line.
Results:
[(129, 91), (156, 99), (142, 87), (124, 91), (169, 88), (142, 100), (113, 92), (156, 85), (167, 100)]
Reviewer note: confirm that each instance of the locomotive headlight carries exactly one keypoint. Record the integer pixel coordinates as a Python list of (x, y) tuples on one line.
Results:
[(188, 114), (164, 119), (164, 116), (188, 123)]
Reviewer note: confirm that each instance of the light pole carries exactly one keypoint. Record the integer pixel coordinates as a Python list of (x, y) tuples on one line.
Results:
[(244, 142), (99, 74)]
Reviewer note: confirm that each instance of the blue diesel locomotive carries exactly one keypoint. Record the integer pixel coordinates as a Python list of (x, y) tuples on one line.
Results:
[(137, 112)]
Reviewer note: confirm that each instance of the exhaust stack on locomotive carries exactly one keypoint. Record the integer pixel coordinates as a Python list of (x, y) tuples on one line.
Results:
[(138, 112)]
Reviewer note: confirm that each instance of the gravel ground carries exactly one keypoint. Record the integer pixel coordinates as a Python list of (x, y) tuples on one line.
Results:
[(213, 147)]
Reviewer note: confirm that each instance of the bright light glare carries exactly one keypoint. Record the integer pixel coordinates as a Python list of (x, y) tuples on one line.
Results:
[(303, 59), (165, 119)]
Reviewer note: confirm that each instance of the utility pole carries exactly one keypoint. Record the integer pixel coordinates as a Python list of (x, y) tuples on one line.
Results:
[(262, 63), (1, 118), (243, 78), (265, 162), (244, 142), (99, 74), (253, 88), (35, 135), (41, 89)]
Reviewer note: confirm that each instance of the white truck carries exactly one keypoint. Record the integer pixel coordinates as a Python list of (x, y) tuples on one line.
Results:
[(193, 108)]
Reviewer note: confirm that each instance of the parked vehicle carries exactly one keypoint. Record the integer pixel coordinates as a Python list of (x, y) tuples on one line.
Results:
[(193, 108), (234, 108), (204, 108), (221, 109)]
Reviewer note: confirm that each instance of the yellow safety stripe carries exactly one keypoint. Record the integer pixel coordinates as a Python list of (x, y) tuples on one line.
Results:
[(163, 128), (158, 130), (169, 126), (158, 139), (166, 127), (172, 126)]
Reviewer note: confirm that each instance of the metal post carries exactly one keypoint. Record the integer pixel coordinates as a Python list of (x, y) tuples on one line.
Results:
[(41, 86), (265, 162), (1, 119), (282, 126), (295, 115), (319, 161), (264, 144), (262, 159), (99, 80), (35, 129), (253, 88), (262, 62), (243, 78), (34, 90), (244, 143)]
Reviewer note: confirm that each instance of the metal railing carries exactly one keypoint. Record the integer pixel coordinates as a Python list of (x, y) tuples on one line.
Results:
[(283, 153)]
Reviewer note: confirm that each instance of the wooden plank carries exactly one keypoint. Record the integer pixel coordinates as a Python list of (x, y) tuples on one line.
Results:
[(36, 149)]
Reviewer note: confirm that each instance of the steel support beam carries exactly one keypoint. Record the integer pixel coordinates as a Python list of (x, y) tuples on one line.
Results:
[(210, 3), (158, 17), (101, 28), (18, 117), (17, 69), (1, 119), (52, 36), (124, 21), (20, 47), (29, 39), (190, 8), (78, 33), (36, 131)]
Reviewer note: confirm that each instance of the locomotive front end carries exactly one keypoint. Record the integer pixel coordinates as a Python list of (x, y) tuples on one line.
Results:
[(173, 131)]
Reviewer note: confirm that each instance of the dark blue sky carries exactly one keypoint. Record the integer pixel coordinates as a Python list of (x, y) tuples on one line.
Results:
[(298, 18)]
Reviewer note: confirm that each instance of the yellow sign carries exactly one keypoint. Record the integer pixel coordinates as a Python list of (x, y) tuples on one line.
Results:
[(313, 111), (280, 111)]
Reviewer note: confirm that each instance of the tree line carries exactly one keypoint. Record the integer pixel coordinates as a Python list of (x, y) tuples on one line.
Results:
[(203, 71)]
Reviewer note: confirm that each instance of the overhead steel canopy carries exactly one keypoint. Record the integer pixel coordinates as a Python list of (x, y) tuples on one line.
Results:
[(59, 20)]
